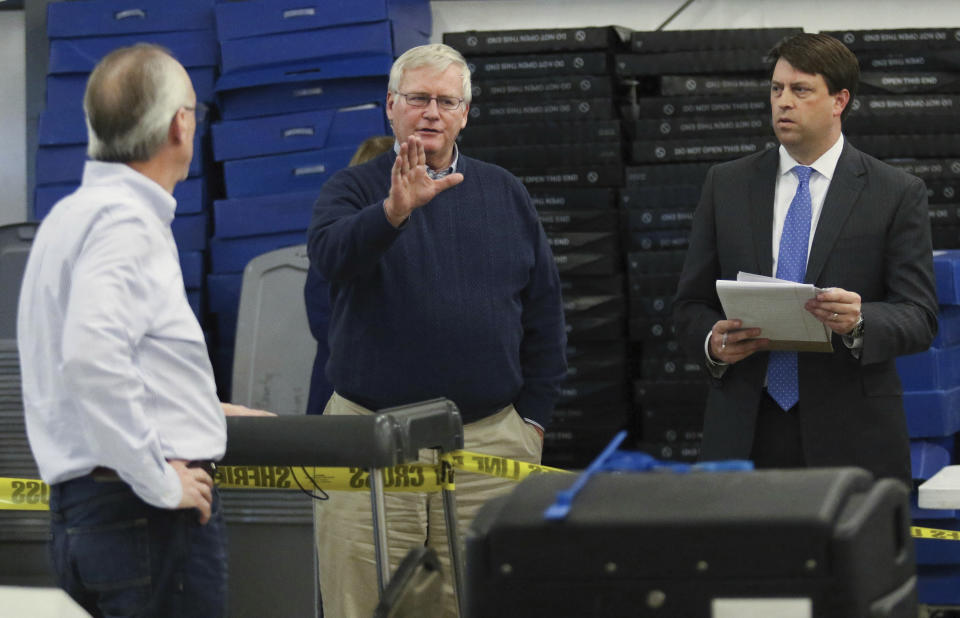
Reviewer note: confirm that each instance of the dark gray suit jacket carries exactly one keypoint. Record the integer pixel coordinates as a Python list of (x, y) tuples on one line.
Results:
[(873, 238)]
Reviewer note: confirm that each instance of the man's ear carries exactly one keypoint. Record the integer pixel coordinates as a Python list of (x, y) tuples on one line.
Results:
[(840, 101), (178, 127)]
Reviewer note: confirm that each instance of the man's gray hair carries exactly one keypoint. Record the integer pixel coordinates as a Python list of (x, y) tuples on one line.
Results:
[(131, 99), (436, 56)]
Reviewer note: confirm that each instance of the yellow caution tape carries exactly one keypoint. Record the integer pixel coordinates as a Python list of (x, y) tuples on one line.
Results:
[(23, 495), (33, 495), (933, 533)]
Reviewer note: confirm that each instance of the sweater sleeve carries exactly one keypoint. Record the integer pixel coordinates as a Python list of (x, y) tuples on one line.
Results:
[(349, 231), (543, 347)]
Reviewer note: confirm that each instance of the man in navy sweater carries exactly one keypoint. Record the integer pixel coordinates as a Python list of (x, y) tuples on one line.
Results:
[(442, 284)]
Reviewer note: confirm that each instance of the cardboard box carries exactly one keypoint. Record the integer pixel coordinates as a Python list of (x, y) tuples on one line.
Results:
[(666, 196), (608, 328), (512, 157), (698, 85), (592, 176), (192, 267), (651, 286), (253, 18), (697, 127), (698, 149), (286, 173), (581, 264), (249, 100), (651, 328), (658, 240), (666, 174), (651, 41), (113, 17), (311, 45), (929, 169), (683, 394), (910, 60), (904, 82), (540, 65), (647, 303), (585, 242), (190, 195), (239, 139), (192, 48), (645, 219), (699, 107), (904, 146), (65, 91), (564, 221), (932, 413), (558, 87), (896, 39), (556, 132), (540, 40), (607, 285), (599, 306), (655, 262), (693, 62), (563, 110), (264, 214), (558, 199), (231, 255)]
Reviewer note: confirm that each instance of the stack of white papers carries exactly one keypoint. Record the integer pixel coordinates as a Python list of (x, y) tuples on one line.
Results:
[(776, 307)]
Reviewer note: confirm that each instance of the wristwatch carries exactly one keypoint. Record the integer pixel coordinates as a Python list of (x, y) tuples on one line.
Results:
[(857, 331)]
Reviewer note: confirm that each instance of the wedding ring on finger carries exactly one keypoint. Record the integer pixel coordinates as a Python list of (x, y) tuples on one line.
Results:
[(834, 316), (723, 342)]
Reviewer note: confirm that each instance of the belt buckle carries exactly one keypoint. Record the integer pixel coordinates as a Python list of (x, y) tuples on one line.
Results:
[(208, 466)]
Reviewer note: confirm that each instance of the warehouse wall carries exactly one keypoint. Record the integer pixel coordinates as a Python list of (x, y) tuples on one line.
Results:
[(813, 16), (13, 134), (21, 104)]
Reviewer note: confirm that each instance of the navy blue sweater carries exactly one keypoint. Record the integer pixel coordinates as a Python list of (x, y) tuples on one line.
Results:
[(463, 302)]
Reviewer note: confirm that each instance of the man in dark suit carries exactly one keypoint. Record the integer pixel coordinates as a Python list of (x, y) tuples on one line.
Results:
[(815, 210)]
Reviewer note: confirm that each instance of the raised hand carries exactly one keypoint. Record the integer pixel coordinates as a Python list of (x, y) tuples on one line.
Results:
[(410, 186)]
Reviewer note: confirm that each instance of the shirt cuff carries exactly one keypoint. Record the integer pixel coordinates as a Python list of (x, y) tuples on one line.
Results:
[(532, 422), (854, 344), (716, 368)]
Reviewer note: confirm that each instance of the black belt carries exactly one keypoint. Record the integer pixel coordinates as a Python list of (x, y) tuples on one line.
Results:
[(106, 475)]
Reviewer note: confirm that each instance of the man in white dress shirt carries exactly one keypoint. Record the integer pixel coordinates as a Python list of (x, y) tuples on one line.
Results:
[(121, 409)]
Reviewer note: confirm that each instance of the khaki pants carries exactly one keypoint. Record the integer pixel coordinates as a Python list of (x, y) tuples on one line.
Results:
[(344, 529)]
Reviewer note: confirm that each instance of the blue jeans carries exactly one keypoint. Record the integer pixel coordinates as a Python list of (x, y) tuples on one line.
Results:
[(118, 556)]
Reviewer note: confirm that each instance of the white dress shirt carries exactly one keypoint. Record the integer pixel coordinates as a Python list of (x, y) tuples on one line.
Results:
[(786, 188), (115, 369)]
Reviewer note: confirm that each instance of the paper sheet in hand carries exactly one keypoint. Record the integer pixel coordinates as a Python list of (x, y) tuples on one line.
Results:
[(777, 308)]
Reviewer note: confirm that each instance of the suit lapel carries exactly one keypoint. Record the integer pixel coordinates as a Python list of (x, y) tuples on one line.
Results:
[(848, 181), (762, 188)]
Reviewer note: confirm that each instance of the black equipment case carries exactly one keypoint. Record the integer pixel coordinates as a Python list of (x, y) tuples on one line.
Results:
[(819, 543)]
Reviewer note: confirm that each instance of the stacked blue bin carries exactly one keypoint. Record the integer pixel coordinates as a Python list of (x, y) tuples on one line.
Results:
[(931, 383), (302, 85), (80, 34)]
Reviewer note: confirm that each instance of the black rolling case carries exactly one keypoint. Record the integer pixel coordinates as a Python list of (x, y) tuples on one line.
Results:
[(823, 543)]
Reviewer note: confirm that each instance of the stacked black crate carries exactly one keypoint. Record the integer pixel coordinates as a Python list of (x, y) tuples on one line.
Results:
[(80, 34), (544, 107), (700, 97), (302, 85), (907, 112)]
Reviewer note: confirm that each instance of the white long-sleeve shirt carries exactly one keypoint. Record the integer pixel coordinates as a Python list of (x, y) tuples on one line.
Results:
[(114, 365)]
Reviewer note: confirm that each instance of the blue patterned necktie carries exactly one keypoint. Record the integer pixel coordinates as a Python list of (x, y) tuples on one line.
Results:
[(782, 379)]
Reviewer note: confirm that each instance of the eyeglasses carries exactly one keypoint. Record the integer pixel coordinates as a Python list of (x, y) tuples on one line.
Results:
[(199, 110), (420, 99)]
